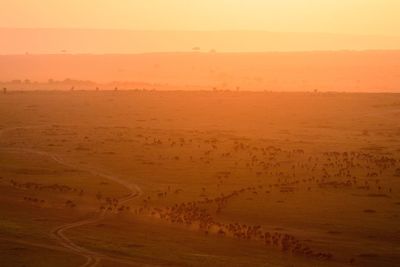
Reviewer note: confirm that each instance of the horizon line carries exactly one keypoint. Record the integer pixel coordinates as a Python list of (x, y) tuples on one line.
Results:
[(204, 52), (199, 31)]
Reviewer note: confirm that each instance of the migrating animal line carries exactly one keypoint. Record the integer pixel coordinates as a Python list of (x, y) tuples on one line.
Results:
[(92, 258)]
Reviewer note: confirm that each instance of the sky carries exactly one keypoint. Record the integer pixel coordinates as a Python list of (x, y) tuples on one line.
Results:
[(364, 17)]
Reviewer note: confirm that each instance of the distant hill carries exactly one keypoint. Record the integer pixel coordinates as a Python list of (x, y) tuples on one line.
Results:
[(368, 71), (76, 41)]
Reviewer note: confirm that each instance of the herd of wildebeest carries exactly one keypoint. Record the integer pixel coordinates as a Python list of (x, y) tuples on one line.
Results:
[(244, 169)]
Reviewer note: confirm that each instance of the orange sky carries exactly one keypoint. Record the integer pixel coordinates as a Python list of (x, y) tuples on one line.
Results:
[(380, 17)]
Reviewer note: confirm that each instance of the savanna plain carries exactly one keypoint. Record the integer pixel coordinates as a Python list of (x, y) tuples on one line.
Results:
[(153, 178)]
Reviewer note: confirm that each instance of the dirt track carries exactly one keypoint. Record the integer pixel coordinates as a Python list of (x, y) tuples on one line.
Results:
[(92, 258)]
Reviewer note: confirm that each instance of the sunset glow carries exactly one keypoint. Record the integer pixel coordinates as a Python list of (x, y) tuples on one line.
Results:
[(377, 17), (199, 133)]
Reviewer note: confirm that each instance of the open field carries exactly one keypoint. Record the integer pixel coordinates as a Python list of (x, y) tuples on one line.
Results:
[(150, 178)]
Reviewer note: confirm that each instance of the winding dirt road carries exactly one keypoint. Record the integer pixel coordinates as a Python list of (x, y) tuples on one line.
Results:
[(92, 258)]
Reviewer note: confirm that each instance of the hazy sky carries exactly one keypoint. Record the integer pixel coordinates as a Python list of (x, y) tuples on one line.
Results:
[(331, 16)]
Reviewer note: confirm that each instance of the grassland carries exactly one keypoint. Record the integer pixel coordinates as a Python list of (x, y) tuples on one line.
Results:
[(147, 178)]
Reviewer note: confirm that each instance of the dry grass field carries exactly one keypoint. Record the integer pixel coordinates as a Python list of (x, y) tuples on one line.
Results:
[(150, 178)]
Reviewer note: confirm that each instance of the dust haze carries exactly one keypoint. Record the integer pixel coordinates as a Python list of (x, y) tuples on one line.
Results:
[(199, 148)]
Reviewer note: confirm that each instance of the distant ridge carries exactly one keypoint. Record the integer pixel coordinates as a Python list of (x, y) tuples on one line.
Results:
[(350, 71), (86, 41)]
